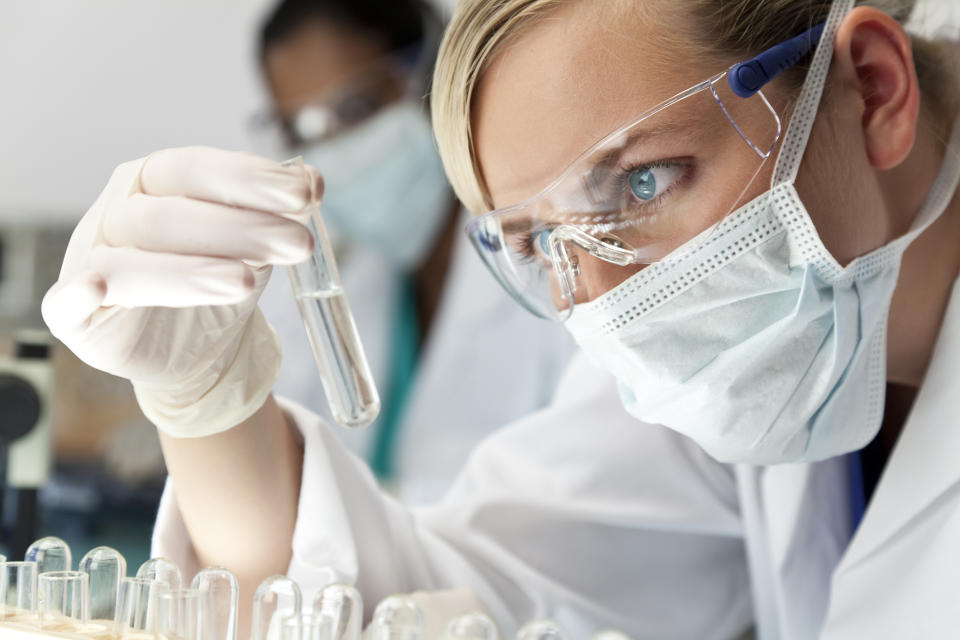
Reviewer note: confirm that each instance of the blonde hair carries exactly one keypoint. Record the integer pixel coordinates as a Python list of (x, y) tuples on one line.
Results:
[(480, 28)]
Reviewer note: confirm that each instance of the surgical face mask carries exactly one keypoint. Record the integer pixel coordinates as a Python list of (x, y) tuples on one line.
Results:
[(752, 339), (384, 184)]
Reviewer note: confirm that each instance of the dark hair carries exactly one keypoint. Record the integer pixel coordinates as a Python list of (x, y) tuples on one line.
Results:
[(401, 23)]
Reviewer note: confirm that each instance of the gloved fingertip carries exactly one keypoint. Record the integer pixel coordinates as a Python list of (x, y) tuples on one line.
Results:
[(294, 249), (94, 284), (71, 303), (317, 181)]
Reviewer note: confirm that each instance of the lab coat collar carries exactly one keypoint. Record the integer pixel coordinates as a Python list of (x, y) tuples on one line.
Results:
[(924, 463)]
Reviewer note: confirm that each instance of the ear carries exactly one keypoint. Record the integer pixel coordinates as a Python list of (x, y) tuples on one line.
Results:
[(873, 55)]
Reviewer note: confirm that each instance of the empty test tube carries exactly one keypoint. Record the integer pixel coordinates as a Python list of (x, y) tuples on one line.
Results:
[(18, 590), (542, 630), (106, 567), (177, 614), (136, 601), (50, 554), (473, 626), (333, 336), (64, 600), (219, 600), (161, 570), (396, 618), (344, 605), (307, 626), (610, 634), (277, 598)]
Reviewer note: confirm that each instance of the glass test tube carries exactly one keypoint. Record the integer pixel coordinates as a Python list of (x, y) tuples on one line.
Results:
[(177, 614), (219, 594), (161, 570), (18, 589), (308, 626), (64, 600), (396, 618), (473, 626), (277, 598), (610, 634), (344, 605), (344, 371), (106, 567), (542, 630), (50, 554), (136, 599)]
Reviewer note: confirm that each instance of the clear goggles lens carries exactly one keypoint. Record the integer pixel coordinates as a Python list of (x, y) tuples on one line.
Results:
[(633, 199)]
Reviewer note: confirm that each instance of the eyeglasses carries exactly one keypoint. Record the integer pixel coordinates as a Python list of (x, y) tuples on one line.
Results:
[(324, 115), (641, 194)]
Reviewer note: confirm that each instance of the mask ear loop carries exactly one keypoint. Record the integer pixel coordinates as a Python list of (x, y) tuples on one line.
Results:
[(801, 121)]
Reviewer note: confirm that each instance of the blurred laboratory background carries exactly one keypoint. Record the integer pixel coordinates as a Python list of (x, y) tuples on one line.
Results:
[(88, 85)]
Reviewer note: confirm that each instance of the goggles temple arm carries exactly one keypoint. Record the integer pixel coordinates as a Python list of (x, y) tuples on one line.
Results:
[(746, 78)]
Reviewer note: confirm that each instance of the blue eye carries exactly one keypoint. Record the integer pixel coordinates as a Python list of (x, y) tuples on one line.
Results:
[(643, 184), (652, 181), (542, 240)]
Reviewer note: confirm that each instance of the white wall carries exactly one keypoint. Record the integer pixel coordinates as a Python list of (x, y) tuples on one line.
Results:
[(90, 83)]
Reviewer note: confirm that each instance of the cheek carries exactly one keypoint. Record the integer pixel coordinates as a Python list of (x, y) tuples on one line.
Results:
[(838, 188)]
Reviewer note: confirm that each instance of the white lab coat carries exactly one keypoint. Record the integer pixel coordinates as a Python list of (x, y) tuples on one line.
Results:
[(486, 362), (583, 514)]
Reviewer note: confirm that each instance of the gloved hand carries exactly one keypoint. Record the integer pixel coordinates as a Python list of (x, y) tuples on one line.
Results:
[(161, 278)]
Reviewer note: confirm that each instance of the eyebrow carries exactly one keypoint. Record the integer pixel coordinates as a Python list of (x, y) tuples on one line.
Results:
[(603, 165), (608, 159), (514, 226)]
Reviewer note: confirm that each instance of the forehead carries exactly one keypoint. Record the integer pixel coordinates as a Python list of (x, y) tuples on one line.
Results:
[(316, 57), (570, 79)]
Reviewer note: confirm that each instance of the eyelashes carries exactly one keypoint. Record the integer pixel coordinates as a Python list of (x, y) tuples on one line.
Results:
[(631, 196), (646, 186)]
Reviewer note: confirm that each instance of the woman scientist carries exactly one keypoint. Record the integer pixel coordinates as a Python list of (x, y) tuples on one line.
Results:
[(346, 79), (753, 252)]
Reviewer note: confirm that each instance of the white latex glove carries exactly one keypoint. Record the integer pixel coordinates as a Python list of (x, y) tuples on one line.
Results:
[(161, 278)]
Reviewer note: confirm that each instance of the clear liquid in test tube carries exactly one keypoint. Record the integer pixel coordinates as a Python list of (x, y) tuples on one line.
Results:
[(333, 336)]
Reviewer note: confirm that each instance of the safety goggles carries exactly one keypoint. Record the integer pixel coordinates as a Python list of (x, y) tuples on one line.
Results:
[(353, 101), (643, 194)]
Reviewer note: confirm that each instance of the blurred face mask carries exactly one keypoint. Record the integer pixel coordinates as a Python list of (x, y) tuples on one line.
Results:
[(753, 340), (384, 184)]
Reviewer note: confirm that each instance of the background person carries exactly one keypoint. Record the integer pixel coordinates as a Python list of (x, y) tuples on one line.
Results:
[(347, 79)]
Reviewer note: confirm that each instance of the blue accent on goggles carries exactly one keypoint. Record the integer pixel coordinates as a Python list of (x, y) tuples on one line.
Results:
[(746, 78)]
